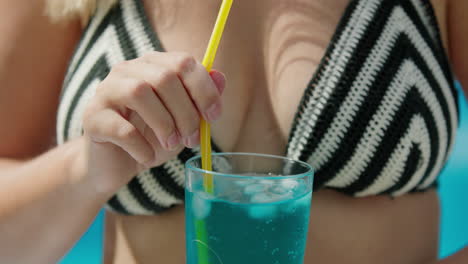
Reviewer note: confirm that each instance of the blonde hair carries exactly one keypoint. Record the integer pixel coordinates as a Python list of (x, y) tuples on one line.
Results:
[(62, 10)]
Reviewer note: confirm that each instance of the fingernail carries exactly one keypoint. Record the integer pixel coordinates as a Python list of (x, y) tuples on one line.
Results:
[(213, 113), (219, 79), (173, 141), (193, 140)]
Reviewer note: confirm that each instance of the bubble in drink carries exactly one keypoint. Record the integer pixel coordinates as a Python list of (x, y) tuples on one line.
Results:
[(300, 203), (264, 227)]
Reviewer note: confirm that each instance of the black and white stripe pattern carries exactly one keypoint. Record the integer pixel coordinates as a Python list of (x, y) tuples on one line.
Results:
[(379, 115), (112, 36), (384, 71)]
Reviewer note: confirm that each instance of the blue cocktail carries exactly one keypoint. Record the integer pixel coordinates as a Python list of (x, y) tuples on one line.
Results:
[(258, 211)]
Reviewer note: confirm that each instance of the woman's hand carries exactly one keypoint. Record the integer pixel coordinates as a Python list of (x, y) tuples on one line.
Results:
[(144, 113)]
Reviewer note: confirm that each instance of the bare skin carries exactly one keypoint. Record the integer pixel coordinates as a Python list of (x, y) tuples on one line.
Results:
[(44, 182), (376, 229)]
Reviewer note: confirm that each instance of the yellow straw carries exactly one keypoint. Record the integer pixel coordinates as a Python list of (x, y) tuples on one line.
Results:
[(205, 137), (208, 60)]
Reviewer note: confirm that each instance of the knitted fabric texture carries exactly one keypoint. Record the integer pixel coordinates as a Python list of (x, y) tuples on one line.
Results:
[(378, 117)]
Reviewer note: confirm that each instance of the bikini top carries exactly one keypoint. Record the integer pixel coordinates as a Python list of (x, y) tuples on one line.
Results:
[(378, 117)]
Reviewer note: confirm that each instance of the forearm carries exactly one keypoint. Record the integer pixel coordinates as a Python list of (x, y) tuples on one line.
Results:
[(45, 205)]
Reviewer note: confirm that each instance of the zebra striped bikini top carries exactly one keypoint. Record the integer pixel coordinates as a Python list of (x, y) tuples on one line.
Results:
[(378, 117)]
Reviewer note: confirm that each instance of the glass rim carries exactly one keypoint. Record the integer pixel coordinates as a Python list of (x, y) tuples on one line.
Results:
[(310, 170)]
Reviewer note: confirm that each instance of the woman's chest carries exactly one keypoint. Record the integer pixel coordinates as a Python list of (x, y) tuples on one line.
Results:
[(268, 57)]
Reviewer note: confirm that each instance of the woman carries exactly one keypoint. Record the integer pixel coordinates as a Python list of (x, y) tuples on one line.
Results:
[(377, 119)]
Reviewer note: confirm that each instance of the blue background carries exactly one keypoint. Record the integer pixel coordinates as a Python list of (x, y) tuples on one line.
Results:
[(453, 193)]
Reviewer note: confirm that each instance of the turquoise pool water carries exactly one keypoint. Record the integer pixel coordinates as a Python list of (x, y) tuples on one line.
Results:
[(453, 192)]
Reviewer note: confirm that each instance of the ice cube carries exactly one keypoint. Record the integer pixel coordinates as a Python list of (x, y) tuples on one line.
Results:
[(267, 183), (254, 188), (271, 197), (201, 205), (289, 184), (261, 198), (278, 189), (244, 182), (262, 211), (261, 208)]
